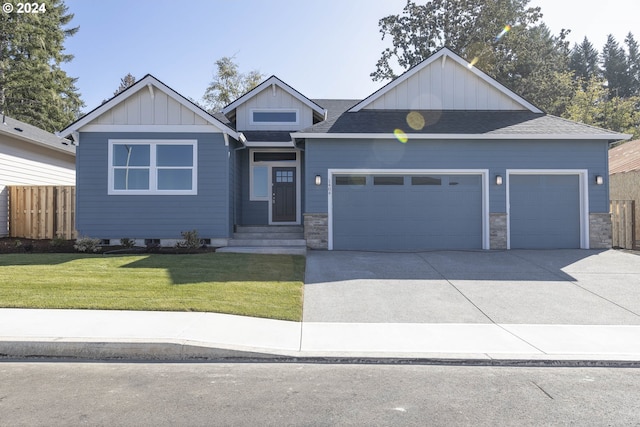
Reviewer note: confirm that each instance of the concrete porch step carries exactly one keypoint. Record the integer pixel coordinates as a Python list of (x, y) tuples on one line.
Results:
[(269, 229), (271, 236)]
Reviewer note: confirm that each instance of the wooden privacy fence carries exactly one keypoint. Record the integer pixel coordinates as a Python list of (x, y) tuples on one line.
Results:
[(42, 212), (623, 224)]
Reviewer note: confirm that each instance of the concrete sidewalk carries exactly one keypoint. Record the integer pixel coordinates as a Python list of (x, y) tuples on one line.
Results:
[(96, 334)]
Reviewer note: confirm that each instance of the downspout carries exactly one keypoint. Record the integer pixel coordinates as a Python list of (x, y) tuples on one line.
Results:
[(242, 139)]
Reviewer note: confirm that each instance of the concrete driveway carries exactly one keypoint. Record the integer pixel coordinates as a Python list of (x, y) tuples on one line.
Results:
[(573, 287)]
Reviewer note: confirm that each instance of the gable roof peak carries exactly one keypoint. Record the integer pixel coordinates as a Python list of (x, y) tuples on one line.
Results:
[(444, 54), (275, 81), (148, 81)]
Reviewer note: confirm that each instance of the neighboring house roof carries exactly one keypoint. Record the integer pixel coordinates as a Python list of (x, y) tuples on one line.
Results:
[(148, 82), (35, 135), (319, 112), (436, 79), (625, 157), (455, 124)]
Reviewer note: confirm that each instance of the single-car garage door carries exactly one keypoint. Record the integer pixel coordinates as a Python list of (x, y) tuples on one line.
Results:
[(407, 212), (544, 211)]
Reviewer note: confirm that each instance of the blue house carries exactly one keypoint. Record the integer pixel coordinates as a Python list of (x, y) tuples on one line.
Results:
[(443, 157)]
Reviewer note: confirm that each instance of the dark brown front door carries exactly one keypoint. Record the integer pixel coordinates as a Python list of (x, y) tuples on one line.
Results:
[(283, 197)]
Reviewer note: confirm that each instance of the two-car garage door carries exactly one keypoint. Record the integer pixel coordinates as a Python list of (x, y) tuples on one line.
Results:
[(407, 211)]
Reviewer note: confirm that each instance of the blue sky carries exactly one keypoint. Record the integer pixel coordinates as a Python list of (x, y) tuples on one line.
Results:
[(324, 49)]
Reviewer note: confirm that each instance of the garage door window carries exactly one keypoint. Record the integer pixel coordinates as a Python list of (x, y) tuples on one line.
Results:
[(351, 180), (388, 180), (465, 180), (425, 180)]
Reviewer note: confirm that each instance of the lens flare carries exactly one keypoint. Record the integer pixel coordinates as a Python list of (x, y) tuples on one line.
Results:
[(504, 31), (415, 120), (401, 136), (473, 62)]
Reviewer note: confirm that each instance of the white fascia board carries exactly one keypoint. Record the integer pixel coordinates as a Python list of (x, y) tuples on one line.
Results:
[(443, 53), (273, 80), (410, 136), (149, 80)]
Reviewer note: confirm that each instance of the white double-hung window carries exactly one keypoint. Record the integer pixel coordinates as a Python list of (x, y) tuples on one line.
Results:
[(140, 167)]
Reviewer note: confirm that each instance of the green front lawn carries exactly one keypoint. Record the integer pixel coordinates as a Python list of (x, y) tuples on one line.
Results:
[(246, 284)]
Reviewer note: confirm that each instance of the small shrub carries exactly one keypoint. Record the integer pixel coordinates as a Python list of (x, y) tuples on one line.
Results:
[(153, 245), (87, 244), (191, 240), (57, 242), (18, 243), (127, 242)]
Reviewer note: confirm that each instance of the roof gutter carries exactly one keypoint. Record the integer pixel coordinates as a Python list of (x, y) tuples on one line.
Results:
[(609, 137)]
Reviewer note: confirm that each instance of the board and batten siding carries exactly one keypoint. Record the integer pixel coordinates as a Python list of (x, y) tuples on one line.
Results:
[(497, 156), (23, 163), (143, 109), (444, 87), (104, 216), (268, 99)]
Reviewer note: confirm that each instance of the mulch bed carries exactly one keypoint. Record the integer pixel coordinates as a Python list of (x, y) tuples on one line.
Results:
[(21, 246)]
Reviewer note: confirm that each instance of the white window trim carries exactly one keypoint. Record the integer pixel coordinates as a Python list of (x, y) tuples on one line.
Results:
[(484, 173), (584, 198), (153, 169), (273, 110)]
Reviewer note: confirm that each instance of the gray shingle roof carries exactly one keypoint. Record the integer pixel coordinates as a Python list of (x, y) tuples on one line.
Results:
[(24, 131), (456, 122), (335, 107)]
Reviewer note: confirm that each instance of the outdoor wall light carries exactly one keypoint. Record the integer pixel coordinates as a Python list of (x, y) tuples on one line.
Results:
[(498, 179), (599, 180), (318, 180)]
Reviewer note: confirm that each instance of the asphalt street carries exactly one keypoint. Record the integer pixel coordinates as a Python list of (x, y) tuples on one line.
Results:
[(248, 394)]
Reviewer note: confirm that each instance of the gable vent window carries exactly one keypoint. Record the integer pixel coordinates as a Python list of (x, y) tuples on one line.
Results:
[(274, 117)]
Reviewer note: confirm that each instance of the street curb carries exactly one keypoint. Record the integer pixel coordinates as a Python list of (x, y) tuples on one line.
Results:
[(178, 352)]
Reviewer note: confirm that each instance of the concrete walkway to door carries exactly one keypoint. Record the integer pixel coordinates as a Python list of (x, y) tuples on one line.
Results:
[(570, 287)]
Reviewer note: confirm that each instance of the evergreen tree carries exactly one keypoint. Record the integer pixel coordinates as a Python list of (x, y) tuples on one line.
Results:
[(584, 61), (125, 82), (228, 84), (33, 86), (633, 63), (615, 72)]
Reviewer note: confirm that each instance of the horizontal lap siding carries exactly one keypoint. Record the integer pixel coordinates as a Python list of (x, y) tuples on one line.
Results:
[(496, 156), (155, 216)]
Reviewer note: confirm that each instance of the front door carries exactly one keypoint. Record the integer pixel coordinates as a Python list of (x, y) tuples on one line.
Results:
[(283, 194)]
